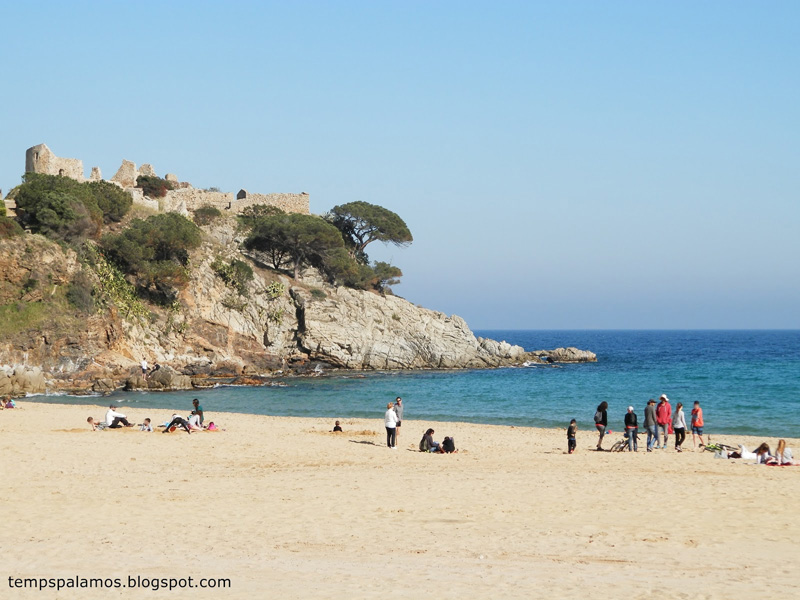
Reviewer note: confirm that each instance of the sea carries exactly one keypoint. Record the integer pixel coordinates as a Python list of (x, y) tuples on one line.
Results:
[(748, 382)]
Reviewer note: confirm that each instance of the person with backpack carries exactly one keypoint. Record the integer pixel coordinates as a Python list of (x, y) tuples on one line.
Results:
[(601, 422), (663, 420)]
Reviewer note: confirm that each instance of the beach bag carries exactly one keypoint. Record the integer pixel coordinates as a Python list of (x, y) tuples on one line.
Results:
[(598, 417), (449, 445)]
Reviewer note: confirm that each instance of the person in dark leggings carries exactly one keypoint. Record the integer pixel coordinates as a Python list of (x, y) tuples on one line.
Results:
[(390, 420), (679, 427), (601, 422), (177, 421)]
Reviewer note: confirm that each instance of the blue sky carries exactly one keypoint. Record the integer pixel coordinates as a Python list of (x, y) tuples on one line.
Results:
[(561, 165)]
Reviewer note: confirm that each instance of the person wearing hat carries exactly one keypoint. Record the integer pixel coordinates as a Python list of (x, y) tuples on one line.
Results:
[(663, 420), (650, 423), (632, 429), (115, 420)]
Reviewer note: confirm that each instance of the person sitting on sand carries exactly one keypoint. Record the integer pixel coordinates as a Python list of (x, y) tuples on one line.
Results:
[(426, 444), (9, 403), (199, 410), (177, 421), (337, 427), (146, 426), (194, 421), (115, 420)]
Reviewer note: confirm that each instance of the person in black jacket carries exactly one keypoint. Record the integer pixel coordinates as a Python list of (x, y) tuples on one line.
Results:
[(632, 430), (601, 422)]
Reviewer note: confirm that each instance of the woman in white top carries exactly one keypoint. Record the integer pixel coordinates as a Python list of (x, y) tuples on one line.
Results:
[(679, 426), (390, 420)]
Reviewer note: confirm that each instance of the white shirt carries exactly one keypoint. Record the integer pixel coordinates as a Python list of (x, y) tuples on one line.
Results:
[(194, 421), (144, 365), (391, 418), (678, 420), (111, 415)]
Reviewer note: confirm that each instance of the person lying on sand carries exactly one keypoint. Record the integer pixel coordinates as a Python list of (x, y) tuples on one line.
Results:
[(194, 421)]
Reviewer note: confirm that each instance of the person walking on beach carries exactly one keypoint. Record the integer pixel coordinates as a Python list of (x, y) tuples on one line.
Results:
[(632, 430), (697, 425), (663, 420), (650, 423), (601, 422), (572, 432), (679, 427), (398, 409), (390, 420)]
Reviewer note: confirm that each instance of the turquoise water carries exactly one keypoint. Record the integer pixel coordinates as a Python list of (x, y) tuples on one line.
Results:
[(748, 382)]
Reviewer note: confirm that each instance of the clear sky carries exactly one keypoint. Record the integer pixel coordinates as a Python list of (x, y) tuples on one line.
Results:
[(561, 165)]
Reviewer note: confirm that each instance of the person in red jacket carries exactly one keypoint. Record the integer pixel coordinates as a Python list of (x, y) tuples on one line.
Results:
[(663, 420)]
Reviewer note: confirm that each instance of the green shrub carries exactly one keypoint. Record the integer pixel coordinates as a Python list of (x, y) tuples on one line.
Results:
[(155, 251), (274, 290), (236, 274), (206, 214), (9, 228), (80, 293), (318, 294), (63, 208), (153, 186)]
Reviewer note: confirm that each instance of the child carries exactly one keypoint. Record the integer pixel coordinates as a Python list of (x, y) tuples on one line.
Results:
[(10, 403), (91, 423), (572, 431), (146, 426), (337, 427)]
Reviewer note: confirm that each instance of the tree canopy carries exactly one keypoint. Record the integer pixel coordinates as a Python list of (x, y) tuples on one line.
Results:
[(295, 239), (362, 223), (63, 208), (155, 252)]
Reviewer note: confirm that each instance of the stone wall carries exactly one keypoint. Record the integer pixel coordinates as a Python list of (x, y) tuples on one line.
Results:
[(40, 159), (291, 203)]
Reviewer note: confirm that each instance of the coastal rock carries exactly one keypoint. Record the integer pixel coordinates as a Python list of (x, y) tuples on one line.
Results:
[(360, 330), (164, 379), (22, 381), (565, 355)]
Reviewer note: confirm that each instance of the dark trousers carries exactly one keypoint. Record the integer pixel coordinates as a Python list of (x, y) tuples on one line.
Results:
[(680, 436), (178, 423), (571, 445), (391, 437), (119, 422)]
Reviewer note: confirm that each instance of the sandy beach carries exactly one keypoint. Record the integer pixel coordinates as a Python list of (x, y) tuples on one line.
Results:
[(281, 507)]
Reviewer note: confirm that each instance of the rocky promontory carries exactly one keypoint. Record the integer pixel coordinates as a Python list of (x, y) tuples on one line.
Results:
[(212, 333)]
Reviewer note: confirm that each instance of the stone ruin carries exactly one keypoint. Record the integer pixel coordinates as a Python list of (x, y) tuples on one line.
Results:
[(183, 199)]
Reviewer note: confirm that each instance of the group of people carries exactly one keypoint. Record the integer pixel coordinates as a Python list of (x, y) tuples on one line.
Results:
[(762, 455), (194, 422), (659, 421), (393, 419), (7, 402)]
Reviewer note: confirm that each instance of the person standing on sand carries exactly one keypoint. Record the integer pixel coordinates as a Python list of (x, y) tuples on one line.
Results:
[(398, 409), (601, 422), (650, 423), (697, 425), (390, 420), (572, 434), (663, 420), (632, 429), (679, 427)]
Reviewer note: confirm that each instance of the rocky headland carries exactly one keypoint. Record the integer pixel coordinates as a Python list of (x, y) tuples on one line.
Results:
[(278, 326)]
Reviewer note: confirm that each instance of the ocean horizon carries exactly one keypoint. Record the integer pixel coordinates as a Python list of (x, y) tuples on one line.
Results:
[(748, 382)]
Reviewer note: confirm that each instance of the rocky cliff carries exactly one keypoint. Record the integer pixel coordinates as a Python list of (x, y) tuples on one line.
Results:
[(277, 326)]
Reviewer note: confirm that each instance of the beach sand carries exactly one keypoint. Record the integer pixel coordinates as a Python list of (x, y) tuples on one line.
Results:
[(285, 509)]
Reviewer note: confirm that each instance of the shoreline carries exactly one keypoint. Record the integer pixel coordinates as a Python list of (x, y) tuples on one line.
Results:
[(281, 503)]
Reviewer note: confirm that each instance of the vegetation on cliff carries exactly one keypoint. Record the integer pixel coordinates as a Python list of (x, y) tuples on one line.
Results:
[(64, 209), (362, 223), (153, 186)]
